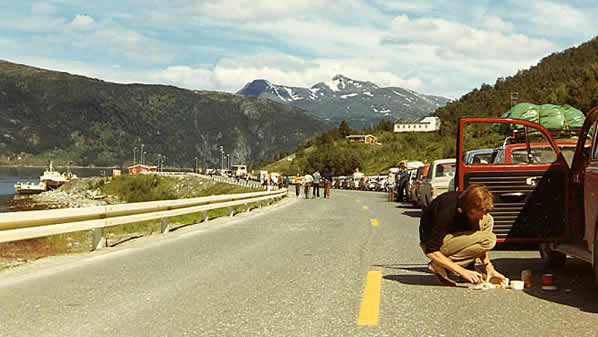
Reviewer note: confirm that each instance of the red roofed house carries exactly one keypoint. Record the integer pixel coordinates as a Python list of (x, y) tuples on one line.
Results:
[(138, 168)]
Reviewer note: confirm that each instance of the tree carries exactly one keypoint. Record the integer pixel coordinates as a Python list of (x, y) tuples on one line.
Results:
[(344, 129)]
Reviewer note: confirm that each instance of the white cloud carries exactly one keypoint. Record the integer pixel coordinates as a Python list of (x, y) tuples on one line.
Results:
[(257, 9), (496, 23), (42, 8), (232, 74), (33, 24), (130, 44), (455, 40), (407, 6), (184, 76), (83, 22), (559, 15)]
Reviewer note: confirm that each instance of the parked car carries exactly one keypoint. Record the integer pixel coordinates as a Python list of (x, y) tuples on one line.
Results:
[(437, 180), (540, 196), (412, 167), (539, 153), (381, 186), (414, 191)]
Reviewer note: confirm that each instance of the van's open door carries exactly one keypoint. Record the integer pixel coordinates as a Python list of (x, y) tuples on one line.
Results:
[(526, 173)]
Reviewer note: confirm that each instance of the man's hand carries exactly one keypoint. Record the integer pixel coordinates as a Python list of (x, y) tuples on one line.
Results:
[(471, 276), (491, 273)]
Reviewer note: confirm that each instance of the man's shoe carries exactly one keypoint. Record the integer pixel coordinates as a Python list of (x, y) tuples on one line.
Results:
[(441, 274)]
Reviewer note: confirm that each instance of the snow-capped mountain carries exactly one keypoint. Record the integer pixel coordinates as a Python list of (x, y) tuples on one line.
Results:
[(360, 103)]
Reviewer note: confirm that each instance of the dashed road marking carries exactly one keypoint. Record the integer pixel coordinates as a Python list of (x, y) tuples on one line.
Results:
[(370, 302), (357, 200), (374, 222), (365, 207)]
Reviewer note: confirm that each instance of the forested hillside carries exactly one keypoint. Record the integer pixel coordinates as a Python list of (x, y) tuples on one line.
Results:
[(54, 115)]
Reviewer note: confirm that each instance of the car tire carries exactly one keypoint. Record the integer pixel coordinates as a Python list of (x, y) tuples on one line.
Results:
[(552, 259)]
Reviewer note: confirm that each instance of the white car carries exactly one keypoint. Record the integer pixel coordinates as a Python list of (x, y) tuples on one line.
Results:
[(440, 173)]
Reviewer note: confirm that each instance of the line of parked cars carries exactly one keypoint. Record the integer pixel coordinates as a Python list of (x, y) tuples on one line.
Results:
[(425, 181)]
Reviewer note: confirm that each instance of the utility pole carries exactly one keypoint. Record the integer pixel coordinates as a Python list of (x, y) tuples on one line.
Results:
[(514, 98), (222, 157), (134, 152), (196, 163), (141, 153)]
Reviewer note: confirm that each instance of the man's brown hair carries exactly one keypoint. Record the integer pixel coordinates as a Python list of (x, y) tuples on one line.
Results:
[(476, 196)]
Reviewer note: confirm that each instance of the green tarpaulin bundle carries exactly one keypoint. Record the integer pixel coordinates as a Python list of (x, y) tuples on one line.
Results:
[(550, 116)]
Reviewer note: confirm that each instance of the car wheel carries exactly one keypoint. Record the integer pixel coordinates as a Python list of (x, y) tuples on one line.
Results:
[(552, 259)]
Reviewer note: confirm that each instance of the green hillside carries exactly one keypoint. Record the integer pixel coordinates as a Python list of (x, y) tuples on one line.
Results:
[(54, 115)]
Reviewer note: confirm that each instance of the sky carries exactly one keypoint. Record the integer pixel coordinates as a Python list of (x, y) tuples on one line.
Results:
[(437, 47)]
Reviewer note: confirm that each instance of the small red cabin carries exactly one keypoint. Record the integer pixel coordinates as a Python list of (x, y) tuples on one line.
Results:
[(138, 168)]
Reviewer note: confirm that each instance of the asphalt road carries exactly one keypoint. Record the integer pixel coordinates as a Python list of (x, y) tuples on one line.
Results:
[(301, 268)]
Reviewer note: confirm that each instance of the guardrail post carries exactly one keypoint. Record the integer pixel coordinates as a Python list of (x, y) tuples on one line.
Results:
[(204, 216), (165, 228), (230, 211), (247, 207), (97, 235)]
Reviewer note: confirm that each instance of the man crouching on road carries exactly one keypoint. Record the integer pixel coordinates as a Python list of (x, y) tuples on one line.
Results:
[(455, 230)]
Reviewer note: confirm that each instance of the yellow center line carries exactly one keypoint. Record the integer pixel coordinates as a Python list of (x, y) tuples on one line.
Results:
[(357, 200), (370, 303), (374, 222), (364, 207)]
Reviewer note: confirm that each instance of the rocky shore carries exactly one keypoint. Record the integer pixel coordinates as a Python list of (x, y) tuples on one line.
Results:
[(74, 194)]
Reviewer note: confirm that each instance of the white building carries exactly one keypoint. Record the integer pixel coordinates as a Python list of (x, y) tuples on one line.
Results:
[(426, 124)]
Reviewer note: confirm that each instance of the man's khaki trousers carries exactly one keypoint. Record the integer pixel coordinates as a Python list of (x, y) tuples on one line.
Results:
[(464, 248)]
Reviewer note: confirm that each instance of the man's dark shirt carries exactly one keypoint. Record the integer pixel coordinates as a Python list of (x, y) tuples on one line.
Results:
[(441, 218), (402, 175)]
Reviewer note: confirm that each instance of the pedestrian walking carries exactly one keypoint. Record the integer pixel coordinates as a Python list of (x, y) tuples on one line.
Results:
[(401, 182), (307, 180), (390, 186), (297, 185), (316, 184), (327, 178)]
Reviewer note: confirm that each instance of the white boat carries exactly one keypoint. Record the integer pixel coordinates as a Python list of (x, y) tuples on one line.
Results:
[(30, 188), (50, 179), (54, 179)]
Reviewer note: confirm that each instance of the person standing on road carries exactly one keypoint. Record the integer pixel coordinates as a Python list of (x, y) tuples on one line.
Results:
[(307, 180), (297, 185), (390, 186), (402, 177), (327, 177), (316, 184), (455, 231)]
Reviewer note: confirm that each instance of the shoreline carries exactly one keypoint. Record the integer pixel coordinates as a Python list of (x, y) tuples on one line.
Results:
[(72, 166)]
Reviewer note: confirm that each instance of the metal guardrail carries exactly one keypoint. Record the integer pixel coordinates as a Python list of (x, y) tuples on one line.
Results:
[(17, 226)]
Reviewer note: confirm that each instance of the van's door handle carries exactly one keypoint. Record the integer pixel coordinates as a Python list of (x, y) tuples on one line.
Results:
[(515, 194)]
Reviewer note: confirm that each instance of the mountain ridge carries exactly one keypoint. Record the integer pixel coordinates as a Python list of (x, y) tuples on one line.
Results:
[(360, 103), (47, 114)]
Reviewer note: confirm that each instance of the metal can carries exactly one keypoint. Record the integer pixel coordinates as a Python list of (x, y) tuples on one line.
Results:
[(526, 277)]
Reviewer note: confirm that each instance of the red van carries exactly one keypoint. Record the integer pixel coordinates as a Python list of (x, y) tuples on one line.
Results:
[(546, 195)]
